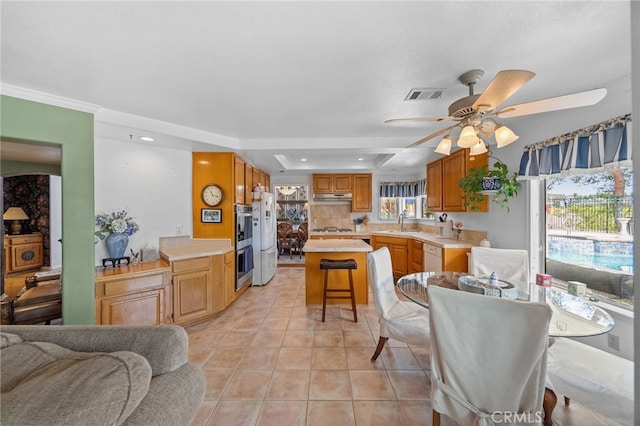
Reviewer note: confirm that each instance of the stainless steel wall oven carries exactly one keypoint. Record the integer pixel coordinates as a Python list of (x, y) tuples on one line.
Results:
[(243, 245)]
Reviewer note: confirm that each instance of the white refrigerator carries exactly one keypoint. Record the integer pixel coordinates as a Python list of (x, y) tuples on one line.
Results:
[(264, 239)]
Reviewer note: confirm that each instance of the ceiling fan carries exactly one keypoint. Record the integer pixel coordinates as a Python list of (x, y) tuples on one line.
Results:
[(476, 114)]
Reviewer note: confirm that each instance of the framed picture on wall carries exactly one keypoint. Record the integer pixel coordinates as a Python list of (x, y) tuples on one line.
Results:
[(211, 216)]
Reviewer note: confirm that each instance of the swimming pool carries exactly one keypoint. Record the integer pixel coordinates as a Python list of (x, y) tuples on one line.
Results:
[(611, 255)]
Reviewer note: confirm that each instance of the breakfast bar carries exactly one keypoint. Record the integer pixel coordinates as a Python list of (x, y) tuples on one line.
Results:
[(334, 249)]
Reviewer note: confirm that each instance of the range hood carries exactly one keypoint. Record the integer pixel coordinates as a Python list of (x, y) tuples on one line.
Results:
[(332, 197)]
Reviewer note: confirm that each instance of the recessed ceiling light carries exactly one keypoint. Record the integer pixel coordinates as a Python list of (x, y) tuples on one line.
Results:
[(303, 159), (360, 159), (147, 138)]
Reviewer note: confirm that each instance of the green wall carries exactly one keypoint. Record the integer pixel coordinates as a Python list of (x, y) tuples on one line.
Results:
[(23, 120), (12, 168)]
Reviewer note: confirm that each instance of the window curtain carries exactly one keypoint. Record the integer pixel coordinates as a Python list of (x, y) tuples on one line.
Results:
[(593, 148), (403, 189)]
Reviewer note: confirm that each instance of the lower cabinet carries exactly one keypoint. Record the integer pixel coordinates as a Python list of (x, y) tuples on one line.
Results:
[(229, 279), (202, 286), (398, 248), (415, 257), (134, 295)]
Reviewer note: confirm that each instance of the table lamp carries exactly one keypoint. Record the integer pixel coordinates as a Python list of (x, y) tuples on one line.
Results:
[(16, 214)]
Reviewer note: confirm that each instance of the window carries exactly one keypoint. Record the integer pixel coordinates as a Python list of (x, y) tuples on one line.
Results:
[(401, 197), (589, 231), (391, 207)]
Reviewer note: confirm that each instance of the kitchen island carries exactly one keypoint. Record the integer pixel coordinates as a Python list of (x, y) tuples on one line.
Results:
[(335, 249)]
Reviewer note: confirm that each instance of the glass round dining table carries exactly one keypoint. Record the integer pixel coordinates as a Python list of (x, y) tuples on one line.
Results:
[(572, 316)]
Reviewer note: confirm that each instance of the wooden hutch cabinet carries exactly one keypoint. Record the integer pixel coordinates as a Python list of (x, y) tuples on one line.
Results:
[(23, 252)]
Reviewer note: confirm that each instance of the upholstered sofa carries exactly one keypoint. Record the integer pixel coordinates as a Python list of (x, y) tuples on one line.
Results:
[(102, 375)]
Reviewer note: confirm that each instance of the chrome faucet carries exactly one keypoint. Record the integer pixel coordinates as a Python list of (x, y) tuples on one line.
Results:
[(401, 221)]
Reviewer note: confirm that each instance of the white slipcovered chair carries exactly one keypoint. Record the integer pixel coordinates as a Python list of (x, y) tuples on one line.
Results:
[(599, 380), (405, 321), (510, 265), (488, 357)]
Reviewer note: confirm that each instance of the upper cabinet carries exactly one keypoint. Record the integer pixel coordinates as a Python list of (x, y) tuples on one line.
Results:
[(434, 186), (239, 182), (331, 184), (359, 185), (443, 175), (361, 201)]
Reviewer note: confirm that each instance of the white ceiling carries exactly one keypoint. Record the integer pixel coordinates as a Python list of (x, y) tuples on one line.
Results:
[(281, 81)]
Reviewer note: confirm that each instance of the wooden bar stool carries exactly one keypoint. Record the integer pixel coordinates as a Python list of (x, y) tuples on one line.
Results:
[(348, 264)]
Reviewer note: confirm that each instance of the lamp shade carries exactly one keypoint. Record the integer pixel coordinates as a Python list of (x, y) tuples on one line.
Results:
[(468, 137), (15, 213), (444, 147), (504, 136), (479, 148)]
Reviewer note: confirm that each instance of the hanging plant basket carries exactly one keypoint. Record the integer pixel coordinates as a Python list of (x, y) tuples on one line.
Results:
[(491, 183), (497, 182)]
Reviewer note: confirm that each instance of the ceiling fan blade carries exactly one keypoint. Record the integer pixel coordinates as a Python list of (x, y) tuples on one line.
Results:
[(431, 136), (420, 119), (574, 100), (503, 85)]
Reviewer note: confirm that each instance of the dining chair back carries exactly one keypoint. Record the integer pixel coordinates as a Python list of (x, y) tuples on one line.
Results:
[(402, 320), (285, 238), (488, 357), (510, 265)]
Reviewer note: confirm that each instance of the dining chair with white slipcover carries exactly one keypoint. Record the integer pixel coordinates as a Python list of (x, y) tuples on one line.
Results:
[(510, 265), (488, 358), (401, 320)]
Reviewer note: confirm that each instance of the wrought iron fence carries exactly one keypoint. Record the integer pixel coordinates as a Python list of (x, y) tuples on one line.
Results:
[(590, 214)]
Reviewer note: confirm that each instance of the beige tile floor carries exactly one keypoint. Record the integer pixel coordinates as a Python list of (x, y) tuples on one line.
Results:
[(269, 360)]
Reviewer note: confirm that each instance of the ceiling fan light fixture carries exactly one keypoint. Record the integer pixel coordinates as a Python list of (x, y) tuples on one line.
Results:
[(444, 147), (504, 136), (479, 148), (468, 137)]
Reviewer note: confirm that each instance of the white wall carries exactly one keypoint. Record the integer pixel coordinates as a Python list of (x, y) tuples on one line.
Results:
[(55, 221), (152, 184)]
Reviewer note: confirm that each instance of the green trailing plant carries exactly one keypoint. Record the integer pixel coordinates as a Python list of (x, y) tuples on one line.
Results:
[(473, 190)]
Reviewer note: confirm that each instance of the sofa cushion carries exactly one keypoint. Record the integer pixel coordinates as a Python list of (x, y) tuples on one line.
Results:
[(89, 388)]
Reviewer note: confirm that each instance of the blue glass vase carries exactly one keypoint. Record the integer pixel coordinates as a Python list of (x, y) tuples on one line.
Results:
[(116, 245)]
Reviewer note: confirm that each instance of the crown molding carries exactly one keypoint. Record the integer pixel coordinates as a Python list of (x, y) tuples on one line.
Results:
[(46, 98)]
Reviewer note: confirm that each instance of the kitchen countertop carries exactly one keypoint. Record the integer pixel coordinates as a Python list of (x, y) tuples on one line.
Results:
[(427, 237), (178, 248), (336, 245)]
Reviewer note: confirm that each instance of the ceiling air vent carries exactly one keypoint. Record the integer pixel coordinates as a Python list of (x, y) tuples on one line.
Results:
[(423, 94)]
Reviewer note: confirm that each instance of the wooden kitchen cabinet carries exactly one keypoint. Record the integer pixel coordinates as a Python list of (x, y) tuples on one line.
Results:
[(134, 295), (239, 188), (23, 252), (332, 183), (397, 248), (447, 195), (229, 279), (415, 256), (361, 201), (434, 186), (248, 183), (192, 289)]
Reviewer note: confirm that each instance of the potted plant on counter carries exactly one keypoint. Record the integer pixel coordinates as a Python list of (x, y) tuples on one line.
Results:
[(482, 181)]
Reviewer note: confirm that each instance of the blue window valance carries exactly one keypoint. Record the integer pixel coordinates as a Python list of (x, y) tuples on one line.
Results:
[(597, 147), (403, 189)]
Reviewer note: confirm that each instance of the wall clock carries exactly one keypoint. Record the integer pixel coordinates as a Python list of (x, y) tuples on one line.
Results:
[(212, 195)]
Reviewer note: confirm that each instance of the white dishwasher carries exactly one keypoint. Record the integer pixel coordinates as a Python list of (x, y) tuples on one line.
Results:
[(432, 260)]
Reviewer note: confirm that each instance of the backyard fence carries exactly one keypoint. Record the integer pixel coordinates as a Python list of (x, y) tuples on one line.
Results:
[(591, 214)]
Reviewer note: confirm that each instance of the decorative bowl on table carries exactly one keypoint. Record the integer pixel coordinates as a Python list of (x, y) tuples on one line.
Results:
[(482, 285)]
